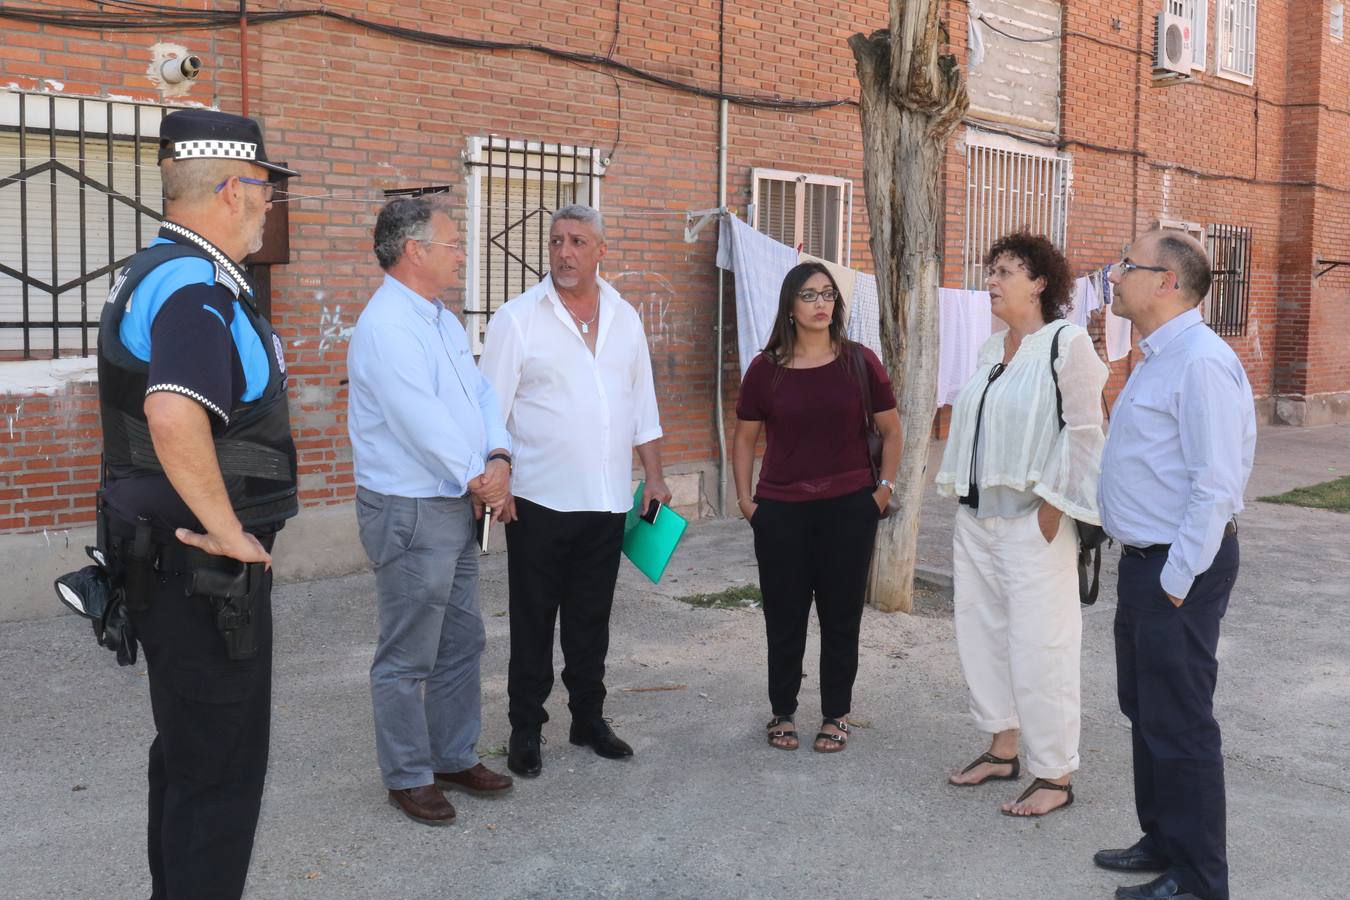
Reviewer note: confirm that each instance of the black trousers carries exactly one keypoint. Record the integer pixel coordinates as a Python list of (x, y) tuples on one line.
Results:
[(1166, 672), (814, 550), (209, 757), (559, 565)]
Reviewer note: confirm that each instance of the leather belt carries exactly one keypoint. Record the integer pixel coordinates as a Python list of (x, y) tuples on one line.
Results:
[(1230, 530), (172, 555)]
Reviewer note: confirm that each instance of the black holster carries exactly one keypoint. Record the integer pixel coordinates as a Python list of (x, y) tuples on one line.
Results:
[(231, 591)]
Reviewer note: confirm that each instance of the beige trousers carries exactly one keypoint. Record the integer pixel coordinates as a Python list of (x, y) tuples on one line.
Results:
[(1019, 632)]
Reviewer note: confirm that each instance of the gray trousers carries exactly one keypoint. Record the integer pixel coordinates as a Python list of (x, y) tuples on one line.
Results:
[(424, 681)]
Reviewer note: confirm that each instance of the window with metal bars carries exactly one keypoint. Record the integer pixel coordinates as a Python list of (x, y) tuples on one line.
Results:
[(514, 188), (79, 194), (1010, 185), (812, 213), (1230, 254), (1235, 55)]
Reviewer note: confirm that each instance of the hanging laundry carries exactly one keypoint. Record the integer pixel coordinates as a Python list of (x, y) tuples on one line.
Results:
[(864, 322), (1117, 329), (1084, 298), (760, 263), (964, 324)]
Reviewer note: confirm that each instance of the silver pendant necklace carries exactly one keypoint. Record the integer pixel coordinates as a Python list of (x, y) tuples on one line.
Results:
[(585, 325)]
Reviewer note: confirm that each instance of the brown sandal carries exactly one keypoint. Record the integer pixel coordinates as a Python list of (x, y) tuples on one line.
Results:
[(834, 742), (992, 760), (782, 733), (1037, 785)]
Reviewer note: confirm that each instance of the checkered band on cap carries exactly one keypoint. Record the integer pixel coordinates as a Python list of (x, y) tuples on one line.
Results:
[(215, 150)]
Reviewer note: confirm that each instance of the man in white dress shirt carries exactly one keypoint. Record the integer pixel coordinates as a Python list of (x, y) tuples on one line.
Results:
[(569, 362), (1177, 460)]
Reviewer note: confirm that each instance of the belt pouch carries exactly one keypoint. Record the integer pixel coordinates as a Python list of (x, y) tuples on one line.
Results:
[(139, 563)]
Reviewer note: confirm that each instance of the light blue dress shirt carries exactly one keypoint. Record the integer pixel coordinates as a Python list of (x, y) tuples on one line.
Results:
[(421, 418), (1179, 453)]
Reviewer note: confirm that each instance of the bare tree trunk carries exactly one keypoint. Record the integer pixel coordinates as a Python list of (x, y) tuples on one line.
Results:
[(912, 100)]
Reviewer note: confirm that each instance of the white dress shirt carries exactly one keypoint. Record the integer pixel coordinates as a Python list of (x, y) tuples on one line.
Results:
[(574, 416), (420, 416), (1183, 435), (1022, 446)]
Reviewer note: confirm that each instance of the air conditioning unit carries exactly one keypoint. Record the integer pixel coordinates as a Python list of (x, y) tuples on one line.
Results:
[(1172, 42)]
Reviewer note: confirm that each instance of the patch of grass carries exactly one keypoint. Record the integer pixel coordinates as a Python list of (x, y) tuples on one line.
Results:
[(498, 750), (741, 597), (1332, 495)]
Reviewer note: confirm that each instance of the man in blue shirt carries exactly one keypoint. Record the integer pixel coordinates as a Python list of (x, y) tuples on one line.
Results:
[(1177, 459), (430, 452)]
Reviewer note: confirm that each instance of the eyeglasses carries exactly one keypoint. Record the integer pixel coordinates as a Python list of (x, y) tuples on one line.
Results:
[(442, 244), (1002, 273), (267, 186), (1126, 267), (829, 295)]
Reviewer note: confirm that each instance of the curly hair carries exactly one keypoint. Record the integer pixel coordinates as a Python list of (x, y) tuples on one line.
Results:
[(1043, 260)]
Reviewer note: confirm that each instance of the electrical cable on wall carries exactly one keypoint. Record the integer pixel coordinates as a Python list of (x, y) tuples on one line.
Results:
[(160, 19)]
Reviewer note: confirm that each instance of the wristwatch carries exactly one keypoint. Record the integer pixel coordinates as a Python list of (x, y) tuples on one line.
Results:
[(889, 484), (504, 457)]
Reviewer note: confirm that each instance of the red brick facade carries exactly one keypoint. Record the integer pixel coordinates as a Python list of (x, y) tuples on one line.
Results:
[(359, 112)]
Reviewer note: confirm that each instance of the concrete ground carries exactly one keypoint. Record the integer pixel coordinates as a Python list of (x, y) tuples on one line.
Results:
[(706, 808)]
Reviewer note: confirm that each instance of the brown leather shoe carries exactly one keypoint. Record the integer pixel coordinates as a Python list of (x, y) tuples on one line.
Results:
[(479, 780), (424, 804)]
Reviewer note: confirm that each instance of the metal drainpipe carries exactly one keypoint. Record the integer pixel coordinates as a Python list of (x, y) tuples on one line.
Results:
[(721, 329)]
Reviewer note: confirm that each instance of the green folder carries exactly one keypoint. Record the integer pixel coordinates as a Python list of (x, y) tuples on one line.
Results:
[(649, 545)]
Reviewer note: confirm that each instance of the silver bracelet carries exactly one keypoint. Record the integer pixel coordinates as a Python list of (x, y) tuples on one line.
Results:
[(887, 483)]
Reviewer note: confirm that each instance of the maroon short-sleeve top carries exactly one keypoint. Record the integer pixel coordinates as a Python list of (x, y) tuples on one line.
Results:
[(815, 443)]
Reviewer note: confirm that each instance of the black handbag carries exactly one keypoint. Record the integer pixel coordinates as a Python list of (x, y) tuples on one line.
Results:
[(875, 442), (1090, 537)]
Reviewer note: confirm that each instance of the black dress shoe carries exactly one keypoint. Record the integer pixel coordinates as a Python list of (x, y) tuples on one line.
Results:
[(597, 735), (1160, 888), (523, 756), (1131, 859)]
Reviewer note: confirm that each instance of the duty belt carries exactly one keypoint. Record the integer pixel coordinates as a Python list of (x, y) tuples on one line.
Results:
[(1230, 530), (172, 556)]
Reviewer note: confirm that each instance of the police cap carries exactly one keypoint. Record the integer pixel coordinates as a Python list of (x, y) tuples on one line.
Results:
[(208, 134)]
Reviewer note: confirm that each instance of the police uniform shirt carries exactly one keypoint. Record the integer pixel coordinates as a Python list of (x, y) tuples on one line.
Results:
[(184, 320)]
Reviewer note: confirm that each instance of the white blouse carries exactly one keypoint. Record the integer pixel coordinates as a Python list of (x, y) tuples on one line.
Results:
[(1021, 444)]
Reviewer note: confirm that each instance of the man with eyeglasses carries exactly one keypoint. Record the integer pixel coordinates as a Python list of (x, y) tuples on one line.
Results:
[(199, 475), (430, 451), (1177, 459), (569, 361)]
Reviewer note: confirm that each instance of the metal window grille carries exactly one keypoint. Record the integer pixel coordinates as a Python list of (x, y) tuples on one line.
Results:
[(514, 187), (812, 212), (1009, 188), (1230, 253), (79, 194), (1236, 52)]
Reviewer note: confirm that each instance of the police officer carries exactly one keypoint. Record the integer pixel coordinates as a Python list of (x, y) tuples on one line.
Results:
[(199, 475)]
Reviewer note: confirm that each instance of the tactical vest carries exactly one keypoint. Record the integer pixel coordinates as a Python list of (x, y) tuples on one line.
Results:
[(255, 451)]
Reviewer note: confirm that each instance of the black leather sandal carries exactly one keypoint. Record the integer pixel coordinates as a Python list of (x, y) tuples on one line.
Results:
[(836, 742), (992, 760), (782, 733), (1037, 785)]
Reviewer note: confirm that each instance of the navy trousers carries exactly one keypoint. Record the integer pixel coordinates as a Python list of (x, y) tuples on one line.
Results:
[(1166, 672)]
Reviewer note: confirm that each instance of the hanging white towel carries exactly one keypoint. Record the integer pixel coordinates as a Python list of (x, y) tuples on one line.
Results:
[(1117, 328), (760, 264), (1085, 298), (964, 324), (975, 53)]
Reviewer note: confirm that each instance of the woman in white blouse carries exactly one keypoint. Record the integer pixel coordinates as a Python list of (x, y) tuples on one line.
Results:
[(1020, 479)]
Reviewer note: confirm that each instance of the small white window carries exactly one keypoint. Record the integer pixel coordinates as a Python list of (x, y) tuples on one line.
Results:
[(1338, 21), (514, 188), (1011, 185), (1235, 51), (813, 213), (1198, 13), (79, 194)]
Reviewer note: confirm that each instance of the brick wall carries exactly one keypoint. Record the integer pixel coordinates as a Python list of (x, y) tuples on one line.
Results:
[(359, 112)]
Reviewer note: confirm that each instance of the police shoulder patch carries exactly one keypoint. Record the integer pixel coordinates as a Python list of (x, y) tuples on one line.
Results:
[(224, 278)]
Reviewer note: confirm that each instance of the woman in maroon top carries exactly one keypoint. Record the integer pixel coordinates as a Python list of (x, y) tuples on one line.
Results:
[(815, 509)]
